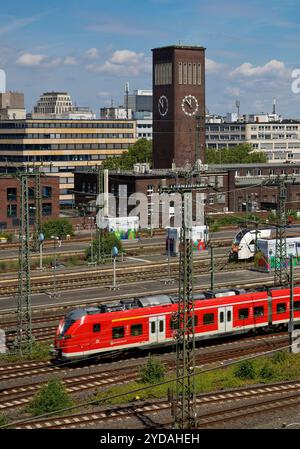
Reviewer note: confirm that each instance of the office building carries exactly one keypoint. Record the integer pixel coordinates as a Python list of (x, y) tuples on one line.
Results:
[(62, 146)]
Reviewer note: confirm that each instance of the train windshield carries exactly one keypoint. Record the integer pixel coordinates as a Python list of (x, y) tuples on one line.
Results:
[(239, 236), (67, 324)]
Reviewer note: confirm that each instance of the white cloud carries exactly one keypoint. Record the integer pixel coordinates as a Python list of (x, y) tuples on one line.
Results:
[(28, 59), (92, 53), (70, 60), (32, 60), (273, 67), (212, 66), (123, 63)]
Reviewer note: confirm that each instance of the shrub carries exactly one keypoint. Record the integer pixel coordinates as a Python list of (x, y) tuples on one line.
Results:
[(279, 357), (245, 370), (267, 372), (3, 419), (153, 371), (109, 241), (51, 397), (60, 228)]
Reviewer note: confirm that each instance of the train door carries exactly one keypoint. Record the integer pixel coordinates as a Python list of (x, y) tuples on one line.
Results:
[(225, 319), (157, 329)]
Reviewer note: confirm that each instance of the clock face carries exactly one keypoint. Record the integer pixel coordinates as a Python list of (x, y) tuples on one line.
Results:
[(163, 105), (189, 105)]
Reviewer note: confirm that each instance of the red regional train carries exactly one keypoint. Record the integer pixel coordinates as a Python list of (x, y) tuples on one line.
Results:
[(151, 321)]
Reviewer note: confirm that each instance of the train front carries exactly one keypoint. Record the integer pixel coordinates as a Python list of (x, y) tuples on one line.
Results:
[(64, 348)]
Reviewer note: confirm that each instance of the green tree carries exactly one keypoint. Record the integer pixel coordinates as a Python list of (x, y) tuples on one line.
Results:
[(153, 371), (59, 227), (109, 241), (242, 153), (51, 397), (139, 152)]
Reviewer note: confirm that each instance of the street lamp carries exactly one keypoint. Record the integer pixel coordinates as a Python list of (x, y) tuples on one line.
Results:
[(114, 254)]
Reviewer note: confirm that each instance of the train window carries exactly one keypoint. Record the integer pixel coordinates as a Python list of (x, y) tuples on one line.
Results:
[(208, 318), (243, 314), (259, 311), (118, 332), (297, 305), (221, 317), (281, 307), (136, 329), (96, 327), (161, 325), (228, 315), (153, 327)]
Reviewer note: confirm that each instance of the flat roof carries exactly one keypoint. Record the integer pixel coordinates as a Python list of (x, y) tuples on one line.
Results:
[(181, 47)]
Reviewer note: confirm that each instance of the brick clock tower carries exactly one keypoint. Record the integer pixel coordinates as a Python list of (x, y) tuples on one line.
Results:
[(178, 105)]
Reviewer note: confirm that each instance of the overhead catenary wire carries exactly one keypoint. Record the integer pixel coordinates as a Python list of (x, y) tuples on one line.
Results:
[(139, 390)]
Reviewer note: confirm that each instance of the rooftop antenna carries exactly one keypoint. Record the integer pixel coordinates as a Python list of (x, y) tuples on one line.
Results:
[(126, 98), (238, 104), (274, 106)]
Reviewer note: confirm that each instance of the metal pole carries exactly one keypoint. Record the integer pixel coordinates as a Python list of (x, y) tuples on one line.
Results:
[(212, 268), (291, 323), (41, 255), (114, 280)]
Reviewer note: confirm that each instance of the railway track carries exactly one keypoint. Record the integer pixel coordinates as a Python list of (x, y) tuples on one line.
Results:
[(289, 392), (20, 395), (81, 279)]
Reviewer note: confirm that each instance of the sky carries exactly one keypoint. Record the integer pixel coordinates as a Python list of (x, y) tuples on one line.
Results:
[(90, 48)]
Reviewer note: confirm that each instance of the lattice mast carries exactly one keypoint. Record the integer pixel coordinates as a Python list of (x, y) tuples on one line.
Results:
[(100, 208), (24, 325), (38, 208), (185, 407), (281, 273)]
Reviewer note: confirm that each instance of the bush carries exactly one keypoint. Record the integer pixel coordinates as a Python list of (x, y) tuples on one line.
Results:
[(267, 372), (60, 228), (51, 397), (3, 419), (245, 370), (279, 357), (152, 372), (109, 241)]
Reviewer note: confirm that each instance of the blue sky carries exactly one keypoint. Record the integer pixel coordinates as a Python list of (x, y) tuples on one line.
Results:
[(92, 47)]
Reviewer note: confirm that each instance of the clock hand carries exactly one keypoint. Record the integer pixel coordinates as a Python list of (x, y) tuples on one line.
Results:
[(189, 102)]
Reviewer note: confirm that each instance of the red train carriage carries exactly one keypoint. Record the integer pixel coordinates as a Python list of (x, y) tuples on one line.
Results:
[(151, 321)]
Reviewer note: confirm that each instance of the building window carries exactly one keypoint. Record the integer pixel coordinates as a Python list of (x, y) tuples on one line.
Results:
[(11, 210), (136, 329), (180, 73), (46, 192), (47, 209), (118, 332), (11, 194)]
